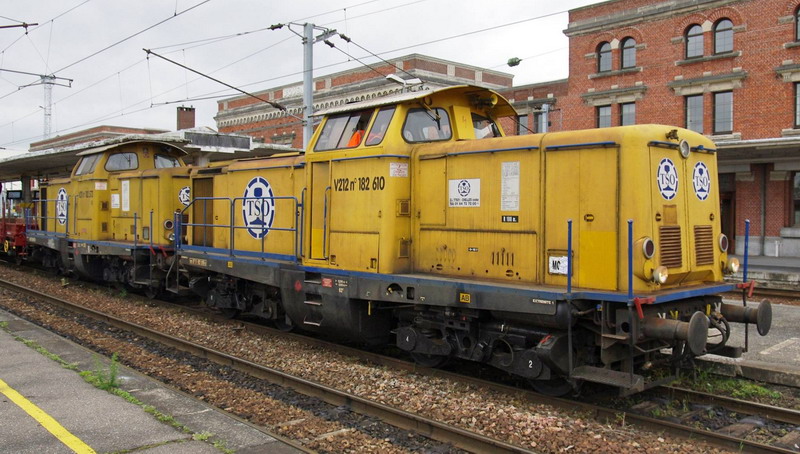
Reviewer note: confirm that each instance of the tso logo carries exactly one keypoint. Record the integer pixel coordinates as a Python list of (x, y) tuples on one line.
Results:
[(701, 181), (667, 178), (61, 206), (185, 196), (464, 188), (258, 207)]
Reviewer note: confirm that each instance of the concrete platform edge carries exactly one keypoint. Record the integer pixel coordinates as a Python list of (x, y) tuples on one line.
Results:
[(138, 385), (775, 374)]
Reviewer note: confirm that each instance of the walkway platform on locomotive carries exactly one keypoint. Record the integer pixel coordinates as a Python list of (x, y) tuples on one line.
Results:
[(47, 408)]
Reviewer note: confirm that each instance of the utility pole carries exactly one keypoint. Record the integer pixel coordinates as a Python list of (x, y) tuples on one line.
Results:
[(47, 80), (308, 70)]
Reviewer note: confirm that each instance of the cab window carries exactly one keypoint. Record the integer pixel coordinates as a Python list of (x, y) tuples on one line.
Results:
[(122, 161), (378, 130), (484, 127), (165, 162), (427, 125), (343, 131), (88, 163)]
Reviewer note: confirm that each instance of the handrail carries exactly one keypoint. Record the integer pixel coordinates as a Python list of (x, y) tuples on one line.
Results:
[(43, 218), (232, 227), (325, 224)]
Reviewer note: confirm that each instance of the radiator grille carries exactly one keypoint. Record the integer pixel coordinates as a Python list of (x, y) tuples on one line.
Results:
[(670, 246), (704, 244)]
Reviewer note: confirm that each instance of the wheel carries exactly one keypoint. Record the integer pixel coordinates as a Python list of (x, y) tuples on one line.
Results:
[(152, 292), (431, 361), (284, 324), (230, 312), (555, 387)]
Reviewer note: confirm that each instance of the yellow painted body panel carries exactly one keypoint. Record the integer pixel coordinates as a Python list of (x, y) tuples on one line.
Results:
[(103, 204), (230, 192), (477, 210), (494, 209)]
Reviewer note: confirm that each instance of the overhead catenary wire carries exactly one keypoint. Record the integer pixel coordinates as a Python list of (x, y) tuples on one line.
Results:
[(213, 40), (179, 13), (51, 20), (271, 103), (376, 55)]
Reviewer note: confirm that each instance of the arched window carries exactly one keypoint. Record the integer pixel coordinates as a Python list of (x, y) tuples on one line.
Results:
[(604, 57), (723, 36), (797, 25), (694, 41), (628, 53)]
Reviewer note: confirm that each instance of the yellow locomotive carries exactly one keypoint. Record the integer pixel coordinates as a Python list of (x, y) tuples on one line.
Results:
[(113, 218), (411, 219), (558, 257)]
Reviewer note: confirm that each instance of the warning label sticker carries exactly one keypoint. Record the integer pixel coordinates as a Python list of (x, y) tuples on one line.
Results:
[(509, 191), (398, 169)]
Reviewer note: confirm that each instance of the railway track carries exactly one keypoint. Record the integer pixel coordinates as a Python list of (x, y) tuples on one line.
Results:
[(765, 292), (461, 438)]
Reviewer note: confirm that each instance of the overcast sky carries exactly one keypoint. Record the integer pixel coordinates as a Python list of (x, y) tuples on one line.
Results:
[(114, 83)]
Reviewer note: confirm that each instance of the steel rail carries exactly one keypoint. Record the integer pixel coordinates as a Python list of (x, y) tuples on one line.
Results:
[(785, 415), (767, 292), (464, 439)]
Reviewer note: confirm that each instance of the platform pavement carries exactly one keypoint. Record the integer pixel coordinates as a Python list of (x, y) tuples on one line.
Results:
[(97, 420), (774, 358)]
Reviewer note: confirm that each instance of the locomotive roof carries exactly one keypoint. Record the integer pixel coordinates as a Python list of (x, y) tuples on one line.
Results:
[(502, 109), (103, 148)]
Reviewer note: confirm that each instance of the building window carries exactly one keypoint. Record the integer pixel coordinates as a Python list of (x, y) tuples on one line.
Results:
[(797, 25), (723, 112), (604, 57), (628, 53), (796, 199), (522, 125), (723, 36), (797, 104), (694, 113), (627, 114), (603, 116), (694, 41)]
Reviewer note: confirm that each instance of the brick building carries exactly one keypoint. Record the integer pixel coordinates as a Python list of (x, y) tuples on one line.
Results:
[(727, 68), (247, 115)]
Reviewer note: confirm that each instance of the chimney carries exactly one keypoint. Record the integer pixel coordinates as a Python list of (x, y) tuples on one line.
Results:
[(185, 118)]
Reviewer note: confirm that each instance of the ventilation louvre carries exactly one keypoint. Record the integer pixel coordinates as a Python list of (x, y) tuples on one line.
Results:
[(704, 245), (670, 246)]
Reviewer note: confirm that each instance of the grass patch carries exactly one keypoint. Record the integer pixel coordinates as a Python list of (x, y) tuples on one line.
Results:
[(704, 380), (100, 378)]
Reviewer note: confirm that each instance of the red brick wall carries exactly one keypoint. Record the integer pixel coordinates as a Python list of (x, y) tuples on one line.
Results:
[(763, 106), (748, 201)]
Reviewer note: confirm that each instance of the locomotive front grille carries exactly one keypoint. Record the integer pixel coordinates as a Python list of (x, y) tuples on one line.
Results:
[(670, 246), (704, 245)]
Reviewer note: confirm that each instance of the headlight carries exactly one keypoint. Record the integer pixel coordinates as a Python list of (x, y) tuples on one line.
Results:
[(660, 274), (168, 224), (172, 237), (648, 248), (723, 242), (684, 148), (731, 266)]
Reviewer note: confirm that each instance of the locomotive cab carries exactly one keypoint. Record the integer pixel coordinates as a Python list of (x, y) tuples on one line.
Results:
[(113, 219)]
